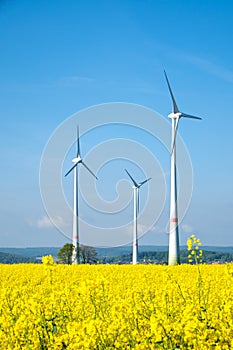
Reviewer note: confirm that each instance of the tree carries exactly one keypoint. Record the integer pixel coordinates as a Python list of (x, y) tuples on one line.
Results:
[(88, 255), (65, 254)]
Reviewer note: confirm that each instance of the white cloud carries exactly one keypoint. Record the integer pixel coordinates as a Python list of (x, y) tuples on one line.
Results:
[(187, 228), (142, 229), (46, 222)]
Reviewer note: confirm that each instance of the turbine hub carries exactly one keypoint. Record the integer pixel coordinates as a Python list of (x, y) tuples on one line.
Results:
[(77, 159), (174, 115)]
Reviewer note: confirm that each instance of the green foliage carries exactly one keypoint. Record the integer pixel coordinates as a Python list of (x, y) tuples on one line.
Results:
[(87, 254), (65, 254)]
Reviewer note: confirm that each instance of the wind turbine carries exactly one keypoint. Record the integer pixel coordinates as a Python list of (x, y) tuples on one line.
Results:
[(77, 160), (136, 187), (174, 250)]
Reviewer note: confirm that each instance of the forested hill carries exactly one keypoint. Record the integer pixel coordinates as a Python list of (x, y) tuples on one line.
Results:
[(31, 252), (6, 258)]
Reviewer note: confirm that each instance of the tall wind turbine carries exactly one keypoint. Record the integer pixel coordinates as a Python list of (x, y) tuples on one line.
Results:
[(77, 160), (136, 187), (174, 250)]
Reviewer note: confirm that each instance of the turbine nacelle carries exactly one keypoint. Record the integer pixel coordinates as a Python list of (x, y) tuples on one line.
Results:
[(77, 160), (138, 185), (175, 115)]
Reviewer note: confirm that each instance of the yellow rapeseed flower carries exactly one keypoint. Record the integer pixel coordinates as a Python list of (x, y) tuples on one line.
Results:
[(116, 307), (48, 260)]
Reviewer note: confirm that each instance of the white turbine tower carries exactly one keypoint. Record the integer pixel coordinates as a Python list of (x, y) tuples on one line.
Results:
[(136, 187), (75, 239), (174, 250)]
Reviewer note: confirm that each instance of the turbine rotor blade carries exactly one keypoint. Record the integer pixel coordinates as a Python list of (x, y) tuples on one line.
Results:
[(143, 182), (183, 115), (175, 108), (134, 182), (78, 143), (190, 116), (71, 169), (91, 172)]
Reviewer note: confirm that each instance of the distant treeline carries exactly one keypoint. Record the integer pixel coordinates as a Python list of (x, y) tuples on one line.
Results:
[(209, 257), (146, 257), (6, 258)]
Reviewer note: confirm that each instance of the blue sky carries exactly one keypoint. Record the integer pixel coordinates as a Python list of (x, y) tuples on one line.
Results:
[(60, 57)]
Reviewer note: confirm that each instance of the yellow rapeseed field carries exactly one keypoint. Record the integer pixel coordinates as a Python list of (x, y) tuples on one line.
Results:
[(116, 307)]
